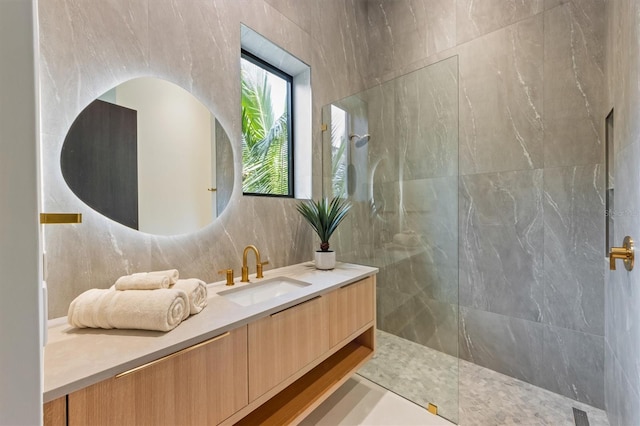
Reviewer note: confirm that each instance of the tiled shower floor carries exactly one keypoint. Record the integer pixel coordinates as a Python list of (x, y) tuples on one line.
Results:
[(486, 397)]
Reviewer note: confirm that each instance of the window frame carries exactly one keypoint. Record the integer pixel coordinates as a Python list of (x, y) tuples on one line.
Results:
[(248, 56)]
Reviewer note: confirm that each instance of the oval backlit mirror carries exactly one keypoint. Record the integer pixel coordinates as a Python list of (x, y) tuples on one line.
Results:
[(150, 156)]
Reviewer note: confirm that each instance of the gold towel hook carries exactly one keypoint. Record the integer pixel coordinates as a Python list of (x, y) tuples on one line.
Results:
[(57, 218)]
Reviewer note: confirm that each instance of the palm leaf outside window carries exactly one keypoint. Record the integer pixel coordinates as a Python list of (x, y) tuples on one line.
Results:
[(265, 136)]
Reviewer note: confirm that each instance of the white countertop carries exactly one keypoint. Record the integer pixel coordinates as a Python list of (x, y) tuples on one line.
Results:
[(76, 358)]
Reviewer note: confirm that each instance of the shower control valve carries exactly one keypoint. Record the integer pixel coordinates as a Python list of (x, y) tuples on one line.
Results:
[(626, 253)]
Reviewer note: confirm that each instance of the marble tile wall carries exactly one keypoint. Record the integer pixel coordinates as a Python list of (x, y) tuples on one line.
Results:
[(570, 367), (509, 345), (476, 18), (224, 168), (402, 32), (573, 83), (425, 121), (622, 291), (501, 241), (89, 46), (531, 185), (501, 100), (573, 206)]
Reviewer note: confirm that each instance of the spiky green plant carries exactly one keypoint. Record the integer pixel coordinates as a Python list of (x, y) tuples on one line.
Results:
[(324, 216)]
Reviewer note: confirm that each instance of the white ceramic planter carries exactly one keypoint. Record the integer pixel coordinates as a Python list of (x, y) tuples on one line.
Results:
[(325, 260)]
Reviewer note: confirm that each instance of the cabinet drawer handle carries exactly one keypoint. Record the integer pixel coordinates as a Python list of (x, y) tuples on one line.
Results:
[(294, 306), (180, 352), (350, 284)]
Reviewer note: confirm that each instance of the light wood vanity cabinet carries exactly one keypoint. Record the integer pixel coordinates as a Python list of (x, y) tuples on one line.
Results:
[(342, 323), (55, 412), (200, 385), (350, 308), (284, 342), (274, 370)]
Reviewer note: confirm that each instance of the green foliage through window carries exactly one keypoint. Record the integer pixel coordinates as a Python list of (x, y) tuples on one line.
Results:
[(266, 129)]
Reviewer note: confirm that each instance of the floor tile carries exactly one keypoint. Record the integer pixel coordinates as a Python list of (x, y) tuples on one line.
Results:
[(485, 397)]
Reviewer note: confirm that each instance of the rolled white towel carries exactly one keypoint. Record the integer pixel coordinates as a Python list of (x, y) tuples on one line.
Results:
[(142, 281), (161, 309), (196, 292)]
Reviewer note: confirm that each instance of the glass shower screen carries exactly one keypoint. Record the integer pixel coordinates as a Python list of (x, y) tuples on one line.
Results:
[(393, 151)]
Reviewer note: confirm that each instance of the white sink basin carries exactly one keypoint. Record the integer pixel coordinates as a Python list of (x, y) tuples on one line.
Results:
[(260, 291)]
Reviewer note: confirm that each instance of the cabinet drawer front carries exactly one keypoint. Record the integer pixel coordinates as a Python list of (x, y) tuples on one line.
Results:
[(285, 342), (200, 386), (55, 412), (351, 307)]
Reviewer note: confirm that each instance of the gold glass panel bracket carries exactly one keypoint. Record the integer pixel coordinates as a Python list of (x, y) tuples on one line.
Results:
[(60, 218), (626, 253)]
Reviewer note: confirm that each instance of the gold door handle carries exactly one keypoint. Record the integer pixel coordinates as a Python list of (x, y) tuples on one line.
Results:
[(212, 189), (626, 253)]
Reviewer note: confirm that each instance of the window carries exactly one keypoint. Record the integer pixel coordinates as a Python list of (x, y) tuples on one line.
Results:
[(267, 137)]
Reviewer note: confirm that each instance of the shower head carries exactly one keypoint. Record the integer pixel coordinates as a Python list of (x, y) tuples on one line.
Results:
[(362, 140)]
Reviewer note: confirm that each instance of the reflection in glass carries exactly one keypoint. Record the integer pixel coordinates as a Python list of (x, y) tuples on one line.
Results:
[(339, 151), (145, 155)]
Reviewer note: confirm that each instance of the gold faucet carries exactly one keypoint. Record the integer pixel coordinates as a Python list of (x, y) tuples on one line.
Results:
[(259, 264)]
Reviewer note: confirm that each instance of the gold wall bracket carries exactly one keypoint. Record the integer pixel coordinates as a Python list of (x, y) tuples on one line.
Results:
[(60, 218), (626, 253)]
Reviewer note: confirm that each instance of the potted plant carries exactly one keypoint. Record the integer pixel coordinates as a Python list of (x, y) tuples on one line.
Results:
[(324, 216)]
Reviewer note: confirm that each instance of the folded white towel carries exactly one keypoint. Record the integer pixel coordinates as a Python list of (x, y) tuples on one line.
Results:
[(196, 292), (160, 310), (142, 281), (172, 274), (148, 280)]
